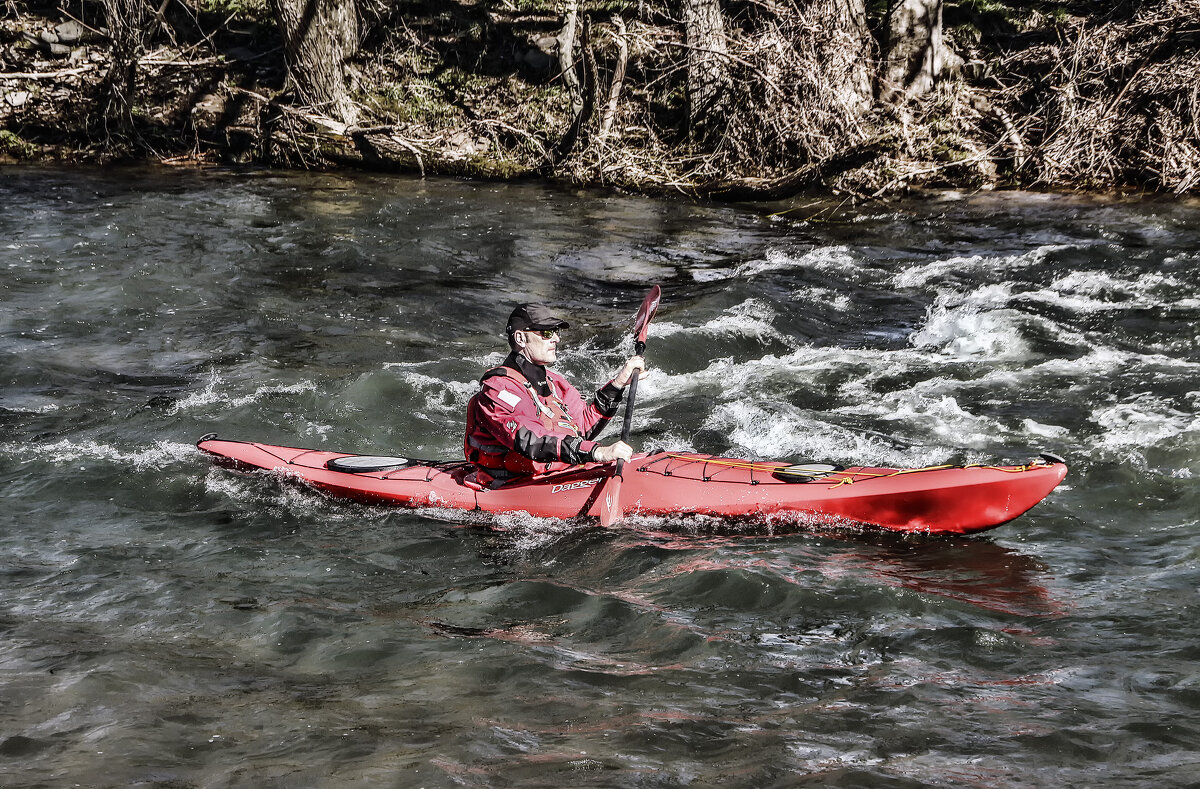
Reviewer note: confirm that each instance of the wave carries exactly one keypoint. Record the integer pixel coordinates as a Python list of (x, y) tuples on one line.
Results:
[(211, 395), (933, 392), (31, 407), (969, 331), (939, 417), (1144, 421), (984, 324), (838, 260), (1085, 292), (287, 494), (752, 318), (978, 266), (934, 415), (780, 430), (158, 456), (440, 394)]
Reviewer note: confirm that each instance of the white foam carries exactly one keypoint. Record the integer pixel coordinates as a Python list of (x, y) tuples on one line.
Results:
[(670, 442), (482, 360), (838, 259), (938, 415), (1141, 422), (32, 405), (853, 369), (223, 483), (523, 531), (1099, 291), (840, 302), (315, 429), (253, 490), (751, 318), (1044, 431), (212, 396), (703, 275), (975, 324), (1103, 362), (968, 332), (924, 274), (160, 455), (781, 431), (932, 412), (441, 395)]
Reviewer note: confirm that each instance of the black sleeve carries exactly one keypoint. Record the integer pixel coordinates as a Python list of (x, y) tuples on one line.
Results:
[(550, 449), (606, 402), (608, 399)]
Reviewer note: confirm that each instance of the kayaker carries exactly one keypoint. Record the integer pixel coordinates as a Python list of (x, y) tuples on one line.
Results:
[(527, 419)]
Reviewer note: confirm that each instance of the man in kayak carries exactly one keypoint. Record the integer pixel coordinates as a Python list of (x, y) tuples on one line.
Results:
[(527, 419)]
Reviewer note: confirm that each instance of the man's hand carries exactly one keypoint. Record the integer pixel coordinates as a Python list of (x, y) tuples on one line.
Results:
[(626, 375), (616, 451)]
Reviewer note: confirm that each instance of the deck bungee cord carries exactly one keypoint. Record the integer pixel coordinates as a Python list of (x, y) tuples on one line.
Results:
[(808, 472)]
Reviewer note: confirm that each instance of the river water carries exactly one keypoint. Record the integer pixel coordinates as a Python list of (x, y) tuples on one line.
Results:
[(169, 623)]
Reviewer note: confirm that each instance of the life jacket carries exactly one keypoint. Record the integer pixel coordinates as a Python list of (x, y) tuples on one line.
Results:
[(481, 447)]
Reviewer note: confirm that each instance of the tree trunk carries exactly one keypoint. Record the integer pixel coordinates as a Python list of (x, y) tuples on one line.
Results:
[(916, 55), (583, 95), (707, 61), (618, 76), (846, 52), (127, 22), (566, 56), (320, 36)]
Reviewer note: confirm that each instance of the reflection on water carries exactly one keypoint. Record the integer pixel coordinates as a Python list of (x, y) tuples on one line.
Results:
[(187, 626), (972, 571)]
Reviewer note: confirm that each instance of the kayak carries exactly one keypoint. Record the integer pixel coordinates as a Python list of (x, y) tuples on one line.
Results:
[(934, 500)]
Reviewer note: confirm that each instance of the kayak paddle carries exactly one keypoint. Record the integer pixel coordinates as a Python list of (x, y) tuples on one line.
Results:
[(610, 502)]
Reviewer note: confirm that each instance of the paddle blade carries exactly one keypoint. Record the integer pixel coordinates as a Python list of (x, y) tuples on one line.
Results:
[(610, 500), (645, 314)]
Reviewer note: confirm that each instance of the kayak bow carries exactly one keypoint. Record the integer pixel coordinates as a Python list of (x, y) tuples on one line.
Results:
[(936, 500)]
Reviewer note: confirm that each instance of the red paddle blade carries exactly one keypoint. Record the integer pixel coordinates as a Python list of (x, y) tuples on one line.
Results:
[(610, 502), (646, 313)]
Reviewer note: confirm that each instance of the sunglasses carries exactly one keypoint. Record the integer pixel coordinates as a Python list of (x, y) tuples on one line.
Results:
[(545, 334)]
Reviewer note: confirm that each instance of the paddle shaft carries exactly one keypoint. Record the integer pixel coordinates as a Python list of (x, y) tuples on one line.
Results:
[(640, 349), (610, 506)]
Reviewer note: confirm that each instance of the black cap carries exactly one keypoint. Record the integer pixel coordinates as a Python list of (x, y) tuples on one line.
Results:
[(534, 316)]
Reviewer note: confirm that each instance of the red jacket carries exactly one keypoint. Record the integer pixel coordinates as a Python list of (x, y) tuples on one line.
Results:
[(526, 419)]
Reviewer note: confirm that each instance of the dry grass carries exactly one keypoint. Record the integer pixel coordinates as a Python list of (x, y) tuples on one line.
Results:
[(1113, 104), (796, 100)]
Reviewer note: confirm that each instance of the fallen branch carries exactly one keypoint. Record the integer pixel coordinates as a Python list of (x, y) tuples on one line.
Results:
[(811, 175), (149, 61), (69, 72), (328, 126), (1019, 152), (359, 133), (533, 138)]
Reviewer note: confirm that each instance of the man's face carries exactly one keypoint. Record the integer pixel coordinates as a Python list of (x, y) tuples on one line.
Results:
[(537, 347)]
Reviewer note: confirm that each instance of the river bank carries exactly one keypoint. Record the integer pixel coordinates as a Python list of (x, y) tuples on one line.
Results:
[(1049, 96)]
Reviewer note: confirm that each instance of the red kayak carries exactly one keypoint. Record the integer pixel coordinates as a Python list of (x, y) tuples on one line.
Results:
[(935, 500)]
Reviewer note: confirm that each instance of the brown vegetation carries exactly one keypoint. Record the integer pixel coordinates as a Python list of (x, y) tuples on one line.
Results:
[(1116, 102), (736, 99)]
